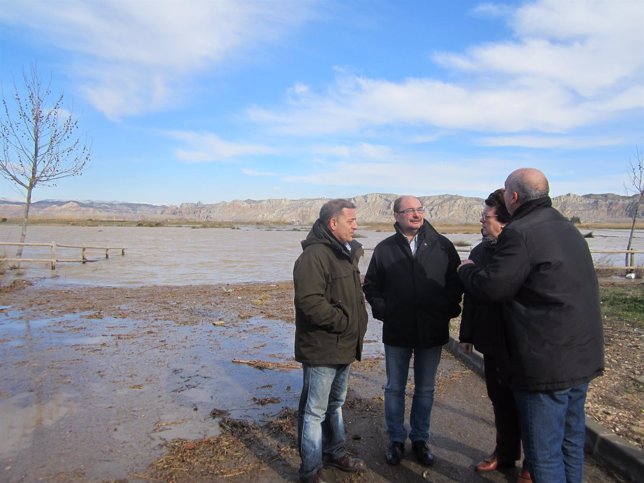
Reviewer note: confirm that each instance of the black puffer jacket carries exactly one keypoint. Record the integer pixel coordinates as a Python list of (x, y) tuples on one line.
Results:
[(543, 273), (330, 311), (481, 319), (414, 295)]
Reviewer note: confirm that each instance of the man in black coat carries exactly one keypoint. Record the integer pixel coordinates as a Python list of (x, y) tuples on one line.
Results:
[(552, 340), (413, 288)]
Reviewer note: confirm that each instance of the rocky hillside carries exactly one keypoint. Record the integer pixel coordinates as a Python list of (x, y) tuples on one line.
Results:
[(372, 208)]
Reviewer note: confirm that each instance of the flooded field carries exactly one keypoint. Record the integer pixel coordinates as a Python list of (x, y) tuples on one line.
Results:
[(104, 363), (91, 397), (188, 256)]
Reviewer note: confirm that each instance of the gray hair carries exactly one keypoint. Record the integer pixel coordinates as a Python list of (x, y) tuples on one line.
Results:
[(528, 183), (333, 208)]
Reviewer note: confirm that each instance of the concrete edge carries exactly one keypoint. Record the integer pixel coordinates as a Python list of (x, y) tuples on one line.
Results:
[(617, 454)]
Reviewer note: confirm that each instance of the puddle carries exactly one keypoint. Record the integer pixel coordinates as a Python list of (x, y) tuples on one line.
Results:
[(87, 398), (23, 414), (99, 397), (13, 324)]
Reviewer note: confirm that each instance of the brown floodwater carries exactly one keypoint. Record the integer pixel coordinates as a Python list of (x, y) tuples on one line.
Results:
[(167, 255), (189, 256)]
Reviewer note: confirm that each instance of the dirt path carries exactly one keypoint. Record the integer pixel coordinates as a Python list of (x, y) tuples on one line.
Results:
[(195, 384)]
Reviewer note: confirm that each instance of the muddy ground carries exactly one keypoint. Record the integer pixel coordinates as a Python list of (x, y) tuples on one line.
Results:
[(197, 383)]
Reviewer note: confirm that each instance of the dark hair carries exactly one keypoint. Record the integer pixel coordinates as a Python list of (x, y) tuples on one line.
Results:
[(495, 200), (333, 208)]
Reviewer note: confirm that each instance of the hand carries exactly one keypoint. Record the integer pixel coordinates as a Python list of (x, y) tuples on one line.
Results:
[(466, 347), (464, 262)]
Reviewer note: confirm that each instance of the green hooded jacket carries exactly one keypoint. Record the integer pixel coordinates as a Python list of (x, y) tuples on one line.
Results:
[(330, 312)]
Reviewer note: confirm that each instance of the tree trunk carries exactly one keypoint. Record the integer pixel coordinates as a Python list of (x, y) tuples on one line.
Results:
[(25, 221), (629, 256)]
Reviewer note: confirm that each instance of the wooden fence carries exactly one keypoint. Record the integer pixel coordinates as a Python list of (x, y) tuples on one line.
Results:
[(53, 251), (629, 255), (629, 258)]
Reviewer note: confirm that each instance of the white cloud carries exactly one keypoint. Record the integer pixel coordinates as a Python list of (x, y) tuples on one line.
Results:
[(571, 64), (359, 150), (523, 105), (474, 176), (408, 176), (539, 142), (257, 173), (583, 45), (208, 147), (132, 55)]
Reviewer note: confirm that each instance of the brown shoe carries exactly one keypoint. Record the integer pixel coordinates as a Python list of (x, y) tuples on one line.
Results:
[(524, 477), (346, 463), (492, 463), (316, 478)]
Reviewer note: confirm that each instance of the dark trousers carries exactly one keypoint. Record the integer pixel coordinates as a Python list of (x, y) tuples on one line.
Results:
[(506, 414)]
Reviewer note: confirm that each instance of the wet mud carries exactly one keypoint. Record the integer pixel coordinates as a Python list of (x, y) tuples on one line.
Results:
[(197, 384)]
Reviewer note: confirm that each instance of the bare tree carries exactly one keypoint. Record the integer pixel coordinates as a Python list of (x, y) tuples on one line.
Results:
[(39, 144), (636, 176)]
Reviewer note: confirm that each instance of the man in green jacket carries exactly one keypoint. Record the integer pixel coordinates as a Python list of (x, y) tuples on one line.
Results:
[(330, 324)]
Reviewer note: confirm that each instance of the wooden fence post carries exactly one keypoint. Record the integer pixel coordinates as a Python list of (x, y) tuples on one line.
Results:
[(53, 255), (630, 256)]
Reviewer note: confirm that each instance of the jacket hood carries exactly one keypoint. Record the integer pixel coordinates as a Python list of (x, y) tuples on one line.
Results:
[(321, 234)]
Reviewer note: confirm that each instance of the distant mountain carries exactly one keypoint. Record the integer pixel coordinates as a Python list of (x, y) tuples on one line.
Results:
[(372, 208)]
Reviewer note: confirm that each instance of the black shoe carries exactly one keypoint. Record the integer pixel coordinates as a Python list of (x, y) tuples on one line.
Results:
[(423, 453), (395, 453)]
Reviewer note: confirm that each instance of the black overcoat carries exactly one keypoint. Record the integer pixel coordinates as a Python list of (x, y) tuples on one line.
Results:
[(543, 273), (414, 295)]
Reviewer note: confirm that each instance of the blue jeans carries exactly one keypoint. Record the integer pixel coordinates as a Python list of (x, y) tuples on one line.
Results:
[(320, 427), (553, 433), (425, 366)]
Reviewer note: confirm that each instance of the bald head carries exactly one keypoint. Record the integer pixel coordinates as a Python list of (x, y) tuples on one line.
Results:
[(524, 184)]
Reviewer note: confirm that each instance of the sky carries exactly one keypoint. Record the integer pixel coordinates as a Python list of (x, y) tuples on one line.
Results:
[(217, 100)]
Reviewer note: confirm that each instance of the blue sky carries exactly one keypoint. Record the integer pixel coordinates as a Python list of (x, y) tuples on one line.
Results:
[(207, 101)]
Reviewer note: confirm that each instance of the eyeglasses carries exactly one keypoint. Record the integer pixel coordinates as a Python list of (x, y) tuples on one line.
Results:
[(409, 211), (485, 217)]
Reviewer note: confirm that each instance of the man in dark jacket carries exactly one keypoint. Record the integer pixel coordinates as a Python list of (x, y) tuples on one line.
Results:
[(552, 343), (330, 324), (412, 286)]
